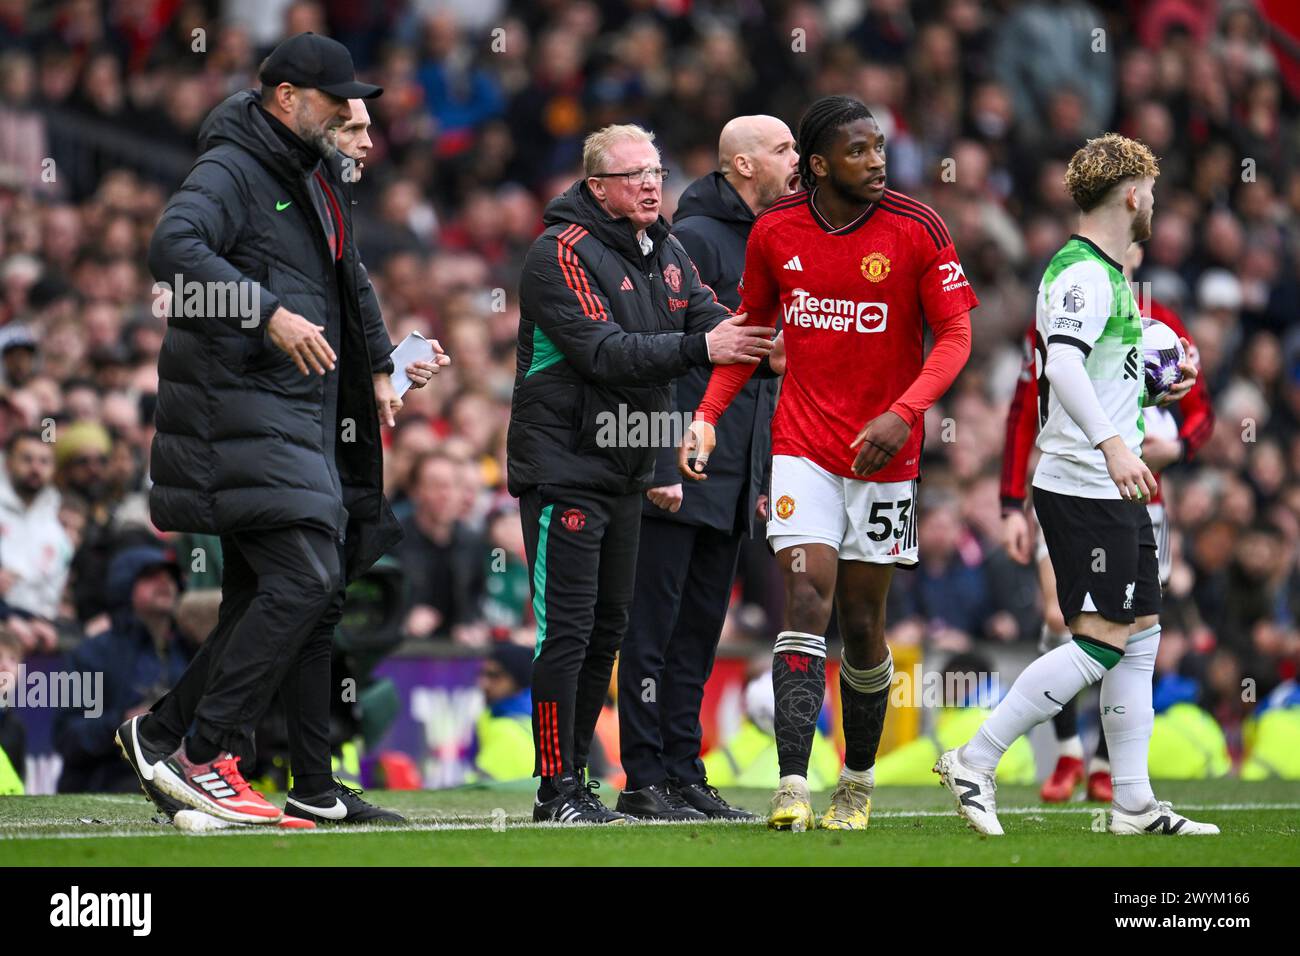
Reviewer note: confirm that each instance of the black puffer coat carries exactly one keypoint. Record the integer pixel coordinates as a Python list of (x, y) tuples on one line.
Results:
[(245, 441)]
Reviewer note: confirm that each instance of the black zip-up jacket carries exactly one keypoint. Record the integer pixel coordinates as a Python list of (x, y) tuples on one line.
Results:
[(603, 331), (244, 440), (713, 225)]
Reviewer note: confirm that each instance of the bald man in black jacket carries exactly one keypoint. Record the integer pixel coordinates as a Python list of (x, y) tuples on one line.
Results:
[(690, 539)]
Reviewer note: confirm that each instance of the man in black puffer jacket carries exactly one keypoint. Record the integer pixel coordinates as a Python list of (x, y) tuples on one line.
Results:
[(267, 423), (611, 311)]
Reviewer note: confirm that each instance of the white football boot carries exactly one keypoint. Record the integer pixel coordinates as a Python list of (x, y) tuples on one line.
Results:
[(1159, 819), (974, 790)]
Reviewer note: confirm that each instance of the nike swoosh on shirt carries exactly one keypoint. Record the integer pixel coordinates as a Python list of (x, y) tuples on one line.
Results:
[(336, 812), (281, 207)]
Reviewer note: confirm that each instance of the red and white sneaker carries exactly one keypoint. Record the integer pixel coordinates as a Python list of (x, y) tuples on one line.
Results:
[(197, 821), (1059, 787), (1099, 787), (216, 787)]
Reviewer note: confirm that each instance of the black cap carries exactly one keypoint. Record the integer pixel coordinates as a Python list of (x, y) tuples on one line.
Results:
[(316, 62)]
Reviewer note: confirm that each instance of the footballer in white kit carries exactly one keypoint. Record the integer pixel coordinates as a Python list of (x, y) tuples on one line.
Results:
[(1090, 488)]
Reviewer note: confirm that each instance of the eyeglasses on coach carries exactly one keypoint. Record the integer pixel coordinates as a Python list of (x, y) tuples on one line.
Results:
[(641, 176)]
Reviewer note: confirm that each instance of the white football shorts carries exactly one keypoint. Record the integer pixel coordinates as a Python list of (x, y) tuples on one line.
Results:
[(868, 521)]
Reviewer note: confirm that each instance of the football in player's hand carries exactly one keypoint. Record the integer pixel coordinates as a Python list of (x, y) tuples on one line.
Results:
[(1161, 355)]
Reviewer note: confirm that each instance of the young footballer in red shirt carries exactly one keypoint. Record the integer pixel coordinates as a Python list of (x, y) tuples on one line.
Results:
[(856, 272)]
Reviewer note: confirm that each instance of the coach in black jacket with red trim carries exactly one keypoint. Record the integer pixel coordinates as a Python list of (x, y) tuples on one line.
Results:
[(611, 311)]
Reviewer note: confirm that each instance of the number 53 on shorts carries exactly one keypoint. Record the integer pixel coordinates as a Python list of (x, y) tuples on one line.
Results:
[(863, 520)]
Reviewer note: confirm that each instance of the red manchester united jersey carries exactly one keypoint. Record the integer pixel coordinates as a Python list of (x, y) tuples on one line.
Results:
[(853, 302)]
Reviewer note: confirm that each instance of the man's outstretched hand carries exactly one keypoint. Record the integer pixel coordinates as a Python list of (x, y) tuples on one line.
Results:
[(879, 442), (698, 443), (732, 342)]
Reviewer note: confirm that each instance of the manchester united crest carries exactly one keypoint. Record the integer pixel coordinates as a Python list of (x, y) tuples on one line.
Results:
[(573, 520), (875, 267), (673, 276), (784, 507)]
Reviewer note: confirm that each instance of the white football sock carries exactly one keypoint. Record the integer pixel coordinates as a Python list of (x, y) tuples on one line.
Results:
[(1073, 747), (1127, 719), (863, 778), (1038, 694), (794, 780)]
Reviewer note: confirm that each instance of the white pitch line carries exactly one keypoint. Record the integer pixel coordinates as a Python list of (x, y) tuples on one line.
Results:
[(473, 824)]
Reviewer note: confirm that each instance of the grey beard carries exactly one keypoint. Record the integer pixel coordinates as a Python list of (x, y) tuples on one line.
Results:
[(321, 141), (771, 195), (318, 139)]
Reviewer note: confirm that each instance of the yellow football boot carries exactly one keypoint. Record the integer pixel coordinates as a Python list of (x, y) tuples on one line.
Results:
[(850, 807), (791, 809)]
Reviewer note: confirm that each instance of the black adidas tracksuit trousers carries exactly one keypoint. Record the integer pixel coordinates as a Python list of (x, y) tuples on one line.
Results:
[(582, 548)]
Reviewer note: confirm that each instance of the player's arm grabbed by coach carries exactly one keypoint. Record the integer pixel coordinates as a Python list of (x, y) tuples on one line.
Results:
[(611, 311)]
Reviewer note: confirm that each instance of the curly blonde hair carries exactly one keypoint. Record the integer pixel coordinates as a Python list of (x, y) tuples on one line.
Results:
[(1102, 163)]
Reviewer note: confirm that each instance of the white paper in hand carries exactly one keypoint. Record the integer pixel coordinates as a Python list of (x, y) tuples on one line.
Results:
[(414, 348)]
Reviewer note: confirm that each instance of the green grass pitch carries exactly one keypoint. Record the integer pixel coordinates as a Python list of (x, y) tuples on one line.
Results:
[(910, 826)]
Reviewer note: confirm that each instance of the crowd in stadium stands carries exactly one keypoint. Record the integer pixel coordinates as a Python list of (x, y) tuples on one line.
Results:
[(485, 107)]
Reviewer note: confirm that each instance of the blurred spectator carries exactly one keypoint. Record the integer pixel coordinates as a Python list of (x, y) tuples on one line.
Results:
[(18, 356), (1043, 47), (503, 734), (13, 735), (24, 144), (115, 513), (507, 597), (948, 590), (34, 549), (139, 657), (461, 95), (441, 557)]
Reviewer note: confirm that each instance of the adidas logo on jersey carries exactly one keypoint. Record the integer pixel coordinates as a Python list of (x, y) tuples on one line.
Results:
[(627, 284), (794, 265)]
